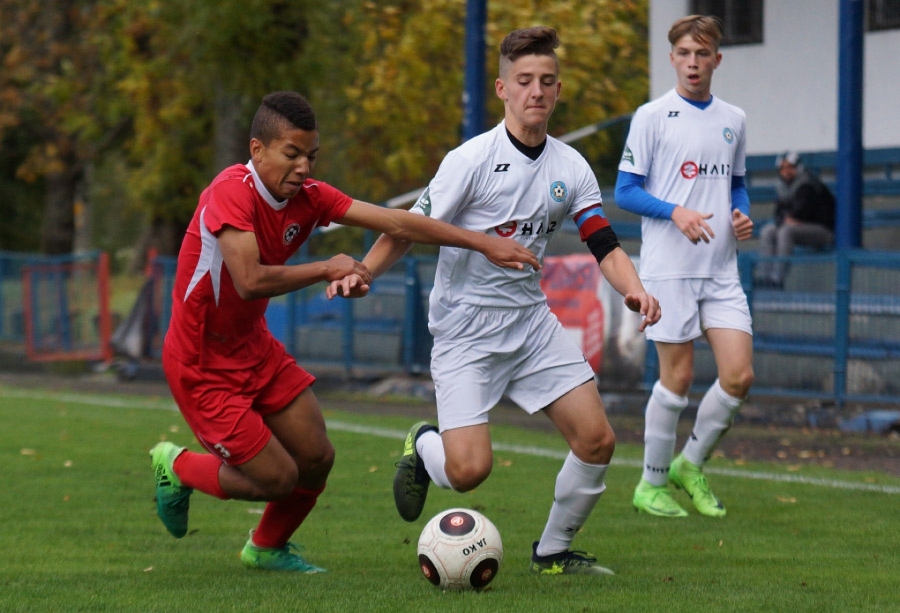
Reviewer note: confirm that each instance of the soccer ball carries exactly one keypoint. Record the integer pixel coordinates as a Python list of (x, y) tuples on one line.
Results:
[(460, 549)]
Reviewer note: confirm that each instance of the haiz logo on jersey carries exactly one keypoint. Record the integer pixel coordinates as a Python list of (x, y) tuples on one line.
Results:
[(290, 233), (693, 170), (527, 228)]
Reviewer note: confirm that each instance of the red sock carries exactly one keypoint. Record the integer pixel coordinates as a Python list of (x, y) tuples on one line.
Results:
[(281, 518), (200, 471)]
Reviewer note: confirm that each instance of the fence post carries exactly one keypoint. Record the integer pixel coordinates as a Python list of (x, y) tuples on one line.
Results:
[(413, 289), (347, 339), (843, 284), (290, 322)]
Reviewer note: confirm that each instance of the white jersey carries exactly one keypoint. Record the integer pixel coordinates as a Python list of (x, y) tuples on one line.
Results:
[(688, 157), (487, 185)]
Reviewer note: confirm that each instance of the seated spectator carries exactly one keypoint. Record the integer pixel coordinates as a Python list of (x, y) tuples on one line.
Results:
[(804, 215)]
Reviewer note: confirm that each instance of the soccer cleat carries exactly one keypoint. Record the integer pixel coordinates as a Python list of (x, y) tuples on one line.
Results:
[(172, 498), (411, 480), (279, 558), (689, 477), (656, 500), (566, 563)]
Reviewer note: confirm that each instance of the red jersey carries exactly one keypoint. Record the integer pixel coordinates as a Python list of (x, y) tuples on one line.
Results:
[(211, 324)]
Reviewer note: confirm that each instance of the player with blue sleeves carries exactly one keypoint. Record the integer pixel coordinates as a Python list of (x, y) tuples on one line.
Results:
[(683, 171)]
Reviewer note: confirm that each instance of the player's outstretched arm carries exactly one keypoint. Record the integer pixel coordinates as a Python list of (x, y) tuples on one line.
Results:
[(253, 280), (413, 228), (383, 254), (618, 269)]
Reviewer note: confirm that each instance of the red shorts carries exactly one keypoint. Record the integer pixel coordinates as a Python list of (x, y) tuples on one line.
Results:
[(225, 408)]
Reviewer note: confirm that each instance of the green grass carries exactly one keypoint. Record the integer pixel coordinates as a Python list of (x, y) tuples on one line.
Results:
[(80, 530)]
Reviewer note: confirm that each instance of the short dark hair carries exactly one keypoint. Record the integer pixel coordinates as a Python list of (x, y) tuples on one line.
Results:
[(538, 40), (280, 111), (705, 29)]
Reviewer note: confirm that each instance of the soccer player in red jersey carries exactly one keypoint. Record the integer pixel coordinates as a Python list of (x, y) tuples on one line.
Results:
[(245, 398)]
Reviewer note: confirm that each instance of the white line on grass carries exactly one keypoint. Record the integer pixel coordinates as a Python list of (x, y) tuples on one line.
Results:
[(342, 426), (560, 455)]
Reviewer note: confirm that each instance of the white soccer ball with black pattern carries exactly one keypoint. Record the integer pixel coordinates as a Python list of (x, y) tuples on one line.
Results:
[(460, 549)]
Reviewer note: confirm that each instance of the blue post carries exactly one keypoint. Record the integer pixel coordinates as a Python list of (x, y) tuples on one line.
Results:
[(848, 229), (413, 290), (347, 339), (290, 323), (848, 226), (843, 289), (473, 95)]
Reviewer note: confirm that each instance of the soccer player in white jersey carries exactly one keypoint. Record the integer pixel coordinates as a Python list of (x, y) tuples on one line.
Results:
[(683, 171), (494, 333)]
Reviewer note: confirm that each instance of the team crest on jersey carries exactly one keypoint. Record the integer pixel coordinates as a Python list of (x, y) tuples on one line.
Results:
[(559, 191), (290, 233), (424, 203), (728, 135), (628, 156)]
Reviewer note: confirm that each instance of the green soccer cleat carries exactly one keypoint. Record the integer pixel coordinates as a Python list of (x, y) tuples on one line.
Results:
[(689, 477), (279, 558), (656, 500), (172, 498), (566, 563), (411, 480)]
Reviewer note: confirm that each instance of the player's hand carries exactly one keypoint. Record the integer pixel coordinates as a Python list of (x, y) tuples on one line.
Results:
[(507, 253), (693, 224), (341, 266), (645, 304), (351, 286), (743, 225)]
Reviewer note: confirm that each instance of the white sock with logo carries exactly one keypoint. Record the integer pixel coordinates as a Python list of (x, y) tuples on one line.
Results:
[(578, 488), (660, 431), (714, 417)]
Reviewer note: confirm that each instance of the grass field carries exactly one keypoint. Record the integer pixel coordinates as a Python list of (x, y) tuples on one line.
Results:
[(80, 530)]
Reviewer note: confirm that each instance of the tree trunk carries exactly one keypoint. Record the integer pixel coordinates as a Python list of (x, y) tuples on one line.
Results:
[(231, 133), (58, 224)]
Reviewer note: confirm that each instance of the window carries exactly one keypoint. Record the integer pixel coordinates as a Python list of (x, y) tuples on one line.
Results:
[(882, 15), (742, 19)]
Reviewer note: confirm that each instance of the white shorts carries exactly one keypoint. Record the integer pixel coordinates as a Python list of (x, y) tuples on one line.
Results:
[(692, 306), (480, 354)]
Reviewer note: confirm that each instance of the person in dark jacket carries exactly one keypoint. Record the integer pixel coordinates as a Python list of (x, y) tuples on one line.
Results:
[(804, 215)]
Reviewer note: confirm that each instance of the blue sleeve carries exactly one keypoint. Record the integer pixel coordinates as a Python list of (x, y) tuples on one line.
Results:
[(631, 196), (740, 199)]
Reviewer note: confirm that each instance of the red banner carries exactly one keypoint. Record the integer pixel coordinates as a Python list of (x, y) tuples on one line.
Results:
[(572, 284)]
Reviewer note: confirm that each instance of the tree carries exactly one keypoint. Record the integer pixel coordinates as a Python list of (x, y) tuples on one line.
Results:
[(192, 95), (54, 81), (404, 106)]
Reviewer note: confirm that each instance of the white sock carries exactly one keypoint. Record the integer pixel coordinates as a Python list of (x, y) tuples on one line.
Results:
[(714, 417), (431, 449), (660, 430), (578, 488)]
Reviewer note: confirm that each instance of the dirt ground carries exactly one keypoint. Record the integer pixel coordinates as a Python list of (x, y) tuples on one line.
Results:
[(765, 430)]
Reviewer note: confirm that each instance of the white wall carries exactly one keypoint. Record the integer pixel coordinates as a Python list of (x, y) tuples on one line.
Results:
[(788, 85)]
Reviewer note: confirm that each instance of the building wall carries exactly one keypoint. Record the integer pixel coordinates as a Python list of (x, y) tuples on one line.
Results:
[(788, 85)]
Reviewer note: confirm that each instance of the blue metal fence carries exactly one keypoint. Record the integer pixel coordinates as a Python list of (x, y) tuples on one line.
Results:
[(832, 333)]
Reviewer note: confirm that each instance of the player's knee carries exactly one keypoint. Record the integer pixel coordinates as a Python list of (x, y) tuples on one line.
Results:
[(679, 382), (280, 483), (467, 476), (596, 449), (738, 384), (313, 470)]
